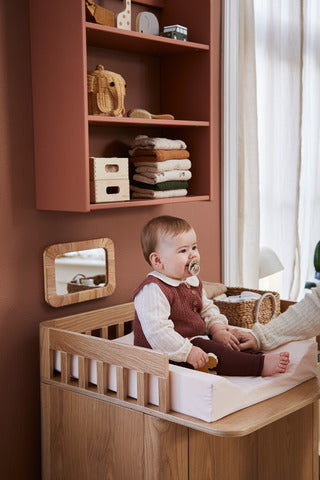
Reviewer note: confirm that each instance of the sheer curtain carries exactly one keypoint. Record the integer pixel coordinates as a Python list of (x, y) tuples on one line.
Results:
[(287, 75), (248, 165)]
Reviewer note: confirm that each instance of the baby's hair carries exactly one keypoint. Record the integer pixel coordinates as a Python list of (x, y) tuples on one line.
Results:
[(164, 224)]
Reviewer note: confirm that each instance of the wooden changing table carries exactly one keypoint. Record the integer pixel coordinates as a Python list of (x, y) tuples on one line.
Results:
[(90, 433)]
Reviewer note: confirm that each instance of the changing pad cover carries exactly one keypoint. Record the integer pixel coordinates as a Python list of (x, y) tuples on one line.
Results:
[(210, 397)]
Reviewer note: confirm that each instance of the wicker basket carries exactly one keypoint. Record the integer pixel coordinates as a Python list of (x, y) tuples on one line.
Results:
[(76, 286), (246, 313), (106, 92)]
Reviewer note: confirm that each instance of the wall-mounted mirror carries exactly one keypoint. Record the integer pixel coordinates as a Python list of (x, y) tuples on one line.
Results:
[(78, 271)]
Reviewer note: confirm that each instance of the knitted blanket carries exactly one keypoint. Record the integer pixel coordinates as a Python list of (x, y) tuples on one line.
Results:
[(157, 155), (172, 185), (153, 178), (144, 141), (166, 165)]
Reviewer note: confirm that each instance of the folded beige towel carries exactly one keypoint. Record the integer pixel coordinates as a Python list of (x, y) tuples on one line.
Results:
[(214, 289), (157, 155), (146, 193), (153, 178), (144, 141), (166, 165)]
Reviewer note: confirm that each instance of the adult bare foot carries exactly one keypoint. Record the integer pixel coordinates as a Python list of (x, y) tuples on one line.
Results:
[(275, 363)]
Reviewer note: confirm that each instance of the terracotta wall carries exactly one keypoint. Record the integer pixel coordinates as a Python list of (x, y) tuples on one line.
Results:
[(24, 234)]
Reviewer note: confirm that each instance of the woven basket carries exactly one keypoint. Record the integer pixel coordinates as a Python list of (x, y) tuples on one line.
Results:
[(75, 286), (246, 313)]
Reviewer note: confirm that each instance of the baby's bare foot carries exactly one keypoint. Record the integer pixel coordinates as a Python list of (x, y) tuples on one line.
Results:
[(275, 363)]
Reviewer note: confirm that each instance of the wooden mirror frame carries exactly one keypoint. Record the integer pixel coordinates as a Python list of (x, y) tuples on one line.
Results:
[(53, 251)]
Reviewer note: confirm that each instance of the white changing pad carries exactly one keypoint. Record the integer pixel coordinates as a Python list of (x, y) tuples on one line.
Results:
[(210, 397)]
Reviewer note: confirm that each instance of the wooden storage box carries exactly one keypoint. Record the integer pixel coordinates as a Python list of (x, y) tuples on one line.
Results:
[(114, 190), (108, 168)]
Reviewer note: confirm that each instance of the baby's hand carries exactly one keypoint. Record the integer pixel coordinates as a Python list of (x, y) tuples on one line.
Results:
[(197, 357), (246, 339), (221, 333)]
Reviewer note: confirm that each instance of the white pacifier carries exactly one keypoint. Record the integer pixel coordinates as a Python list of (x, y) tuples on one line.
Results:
[(194, 266)]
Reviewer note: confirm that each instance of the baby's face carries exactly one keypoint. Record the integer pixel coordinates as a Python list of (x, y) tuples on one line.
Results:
[(175, 254)]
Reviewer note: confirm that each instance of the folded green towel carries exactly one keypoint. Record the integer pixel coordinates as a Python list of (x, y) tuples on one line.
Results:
[(170, 185)]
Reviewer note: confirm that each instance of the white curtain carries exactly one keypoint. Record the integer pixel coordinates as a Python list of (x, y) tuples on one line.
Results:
[(287, 75), (248, 165)]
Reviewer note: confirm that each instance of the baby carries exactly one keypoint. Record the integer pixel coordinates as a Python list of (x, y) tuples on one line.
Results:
[(174, 315)]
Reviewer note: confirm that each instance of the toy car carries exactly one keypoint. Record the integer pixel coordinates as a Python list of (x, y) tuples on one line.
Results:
[(177, 32)]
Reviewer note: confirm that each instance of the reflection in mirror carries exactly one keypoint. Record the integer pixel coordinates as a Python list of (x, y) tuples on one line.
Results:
[(78, 271), (81, 270)]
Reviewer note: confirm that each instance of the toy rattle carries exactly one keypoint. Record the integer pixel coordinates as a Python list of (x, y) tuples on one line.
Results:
[(210, 365)]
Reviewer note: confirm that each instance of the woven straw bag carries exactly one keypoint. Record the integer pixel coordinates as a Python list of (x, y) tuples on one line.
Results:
[(246, 313)]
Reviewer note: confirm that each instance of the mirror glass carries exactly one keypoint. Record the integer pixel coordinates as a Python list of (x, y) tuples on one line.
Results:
[(78, 271)]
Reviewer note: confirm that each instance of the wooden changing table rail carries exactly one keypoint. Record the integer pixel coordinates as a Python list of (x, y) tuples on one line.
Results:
[(62, 335)]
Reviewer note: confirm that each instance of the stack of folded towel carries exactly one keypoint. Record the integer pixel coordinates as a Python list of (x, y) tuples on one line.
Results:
[(161, 167)]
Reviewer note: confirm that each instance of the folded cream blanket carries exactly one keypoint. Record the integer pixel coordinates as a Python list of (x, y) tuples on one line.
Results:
[(145, 193), (143, 141), (166, 165), (153, 178), (157, 155)]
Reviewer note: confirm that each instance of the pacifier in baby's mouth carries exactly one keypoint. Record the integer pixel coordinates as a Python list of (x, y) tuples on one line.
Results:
[(194, 266)]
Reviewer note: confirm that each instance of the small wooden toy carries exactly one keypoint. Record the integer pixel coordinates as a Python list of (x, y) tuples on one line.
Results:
[(177, 32), (210, 365), (147, 22), (124, 17)]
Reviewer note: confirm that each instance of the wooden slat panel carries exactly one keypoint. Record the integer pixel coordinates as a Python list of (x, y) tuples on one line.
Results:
[(142, 388), (83, 372), (102, 377), (164, 395), (120, 330), (122, 383), (65, 367), (128, 356), (105, 332)]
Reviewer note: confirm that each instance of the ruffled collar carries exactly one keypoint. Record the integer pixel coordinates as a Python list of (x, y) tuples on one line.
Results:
[(193, 281)]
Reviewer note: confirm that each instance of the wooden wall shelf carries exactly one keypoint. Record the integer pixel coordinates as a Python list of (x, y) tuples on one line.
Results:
[(162, 75), (136, 122), (130, 41)]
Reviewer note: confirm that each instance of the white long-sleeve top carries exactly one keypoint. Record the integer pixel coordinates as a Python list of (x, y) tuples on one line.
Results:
[(153, 310)]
